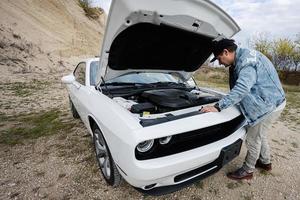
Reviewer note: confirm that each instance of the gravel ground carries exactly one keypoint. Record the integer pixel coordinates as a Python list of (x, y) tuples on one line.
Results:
[(62, 166)]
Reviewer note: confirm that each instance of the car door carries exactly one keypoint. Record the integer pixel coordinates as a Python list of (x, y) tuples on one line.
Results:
[(79, 90)]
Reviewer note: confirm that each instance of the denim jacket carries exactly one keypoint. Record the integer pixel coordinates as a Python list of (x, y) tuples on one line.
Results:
[(256, 87)]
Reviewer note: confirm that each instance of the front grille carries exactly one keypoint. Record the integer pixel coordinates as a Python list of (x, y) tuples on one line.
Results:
[(204, 171), (192, 139)]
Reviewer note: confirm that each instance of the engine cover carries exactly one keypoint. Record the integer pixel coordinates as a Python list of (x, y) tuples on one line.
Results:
[(175, 98)]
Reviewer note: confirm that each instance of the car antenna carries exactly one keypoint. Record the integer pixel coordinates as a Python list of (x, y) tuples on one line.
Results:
[(109, 94)]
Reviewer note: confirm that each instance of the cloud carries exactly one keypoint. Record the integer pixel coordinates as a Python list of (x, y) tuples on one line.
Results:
[(279, 18)]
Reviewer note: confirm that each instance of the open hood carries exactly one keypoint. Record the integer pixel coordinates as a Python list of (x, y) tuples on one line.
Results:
[(173, 36)]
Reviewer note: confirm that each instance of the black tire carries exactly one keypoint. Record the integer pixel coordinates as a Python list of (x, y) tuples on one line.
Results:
[(105, 161), (73, 110)]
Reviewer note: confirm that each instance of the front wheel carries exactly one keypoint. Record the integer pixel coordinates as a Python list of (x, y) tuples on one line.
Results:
[(106, 163)]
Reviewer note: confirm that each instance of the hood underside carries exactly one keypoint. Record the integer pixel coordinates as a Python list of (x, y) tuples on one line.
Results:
[(170, 36), (158, 47)]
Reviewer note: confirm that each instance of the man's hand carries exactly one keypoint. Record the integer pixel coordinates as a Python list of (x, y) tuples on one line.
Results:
[(208, 109)]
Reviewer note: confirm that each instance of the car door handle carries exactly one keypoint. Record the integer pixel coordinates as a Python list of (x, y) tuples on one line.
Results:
[(77, 85)]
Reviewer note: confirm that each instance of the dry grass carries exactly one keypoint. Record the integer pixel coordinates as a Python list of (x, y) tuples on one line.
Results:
[(291, 112), (233, 185), (24, 89)]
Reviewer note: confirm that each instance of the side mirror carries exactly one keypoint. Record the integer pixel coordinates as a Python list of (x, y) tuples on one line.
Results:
[(69, 79)]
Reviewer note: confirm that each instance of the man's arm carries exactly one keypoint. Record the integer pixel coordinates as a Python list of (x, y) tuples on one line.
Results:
[(245, 81)]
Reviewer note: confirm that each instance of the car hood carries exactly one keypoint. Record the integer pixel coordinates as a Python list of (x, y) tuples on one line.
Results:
[(170, 36)]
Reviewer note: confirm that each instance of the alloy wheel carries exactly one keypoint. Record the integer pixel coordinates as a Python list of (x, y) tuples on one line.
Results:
[(102, 154)]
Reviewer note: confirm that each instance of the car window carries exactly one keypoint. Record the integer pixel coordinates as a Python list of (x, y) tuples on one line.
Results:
[(93, 72), (79, 73)]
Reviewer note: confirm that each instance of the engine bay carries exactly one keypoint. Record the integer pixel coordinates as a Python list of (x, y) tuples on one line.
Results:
[(155, 101)]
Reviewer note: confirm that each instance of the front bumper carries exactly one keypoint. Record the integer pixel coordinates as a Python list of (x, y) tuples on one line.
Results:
[(227, 154), (170, 173)]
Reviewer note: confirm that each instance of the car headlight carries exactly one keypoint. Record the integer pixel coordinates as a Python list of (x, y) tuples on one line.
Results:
[(145, 146), (165, 140)]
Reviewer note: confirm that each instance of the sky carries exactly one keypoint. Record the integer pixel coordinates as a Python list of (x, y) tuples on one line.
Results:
[(272, 18)]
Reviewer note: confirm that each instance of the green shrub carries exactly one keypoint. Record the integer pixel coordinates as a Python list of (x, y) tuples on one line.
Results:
[(90, 12)]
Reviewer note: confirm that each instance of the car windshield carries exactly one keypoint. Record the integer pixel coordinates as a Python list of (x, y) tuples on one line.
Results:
[(146, 78)]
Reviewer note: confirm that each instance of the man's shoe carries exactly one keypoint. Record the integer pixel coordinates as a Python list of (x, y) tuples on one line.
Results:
[(240, 174), (267, 167)]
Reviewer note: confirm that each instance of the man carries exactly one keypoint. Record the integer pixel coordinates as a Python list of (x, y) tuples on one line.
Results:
[(256, 89)]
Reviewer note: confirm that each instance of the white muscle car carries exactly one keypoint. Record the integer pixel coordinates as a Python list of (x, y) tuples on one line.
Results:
[(141, 106)]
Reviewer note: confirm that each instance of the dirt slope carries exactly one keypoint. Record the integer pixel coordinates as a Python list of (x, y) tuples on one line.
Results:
[(43, 36), (54, 25)]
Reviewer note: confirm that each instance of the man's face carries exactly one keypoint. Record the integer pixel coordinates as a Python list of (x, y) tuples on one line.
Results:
[(226, 58)]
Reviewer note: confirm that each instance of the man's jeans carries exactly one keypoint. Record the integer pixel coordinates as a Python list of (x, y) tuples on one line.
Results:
[(257, 142)]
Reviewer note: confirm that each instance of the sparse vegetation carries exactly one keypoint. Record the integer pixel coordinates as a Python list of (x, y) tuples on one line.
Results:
[(214, 191), (289, 114), (3, 118), (295, 145), (90, 12), (248, 197), (233, 185), (14, 195), (276, 141), (16, 36), (265, 173), (32, 126), (41, 173), (213, 78), (213, 75), (2, 44), (61, 63), (199, 184), (23, 89), (62, 175), (291, 150)]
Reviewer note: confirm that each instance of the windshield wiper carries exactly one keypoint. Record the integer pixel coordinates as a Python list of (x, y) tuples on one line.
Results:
[(169, 84), (155, 84), (127, 84)]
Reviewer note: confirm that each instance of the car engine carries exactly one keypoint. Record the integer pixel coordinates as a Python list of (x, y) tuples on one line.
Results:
[(165, 100)]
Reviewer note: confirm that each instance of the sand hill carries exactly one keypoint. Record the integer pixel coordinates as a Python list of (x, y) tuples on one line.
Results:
[(41, 37)]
